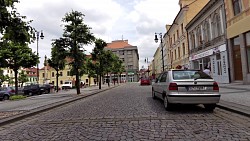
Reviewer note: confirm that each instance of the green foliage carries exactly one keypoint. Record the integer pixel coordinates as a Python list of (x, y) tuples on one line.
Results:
[(17, 34), (2, 77), (17, 97), (22, 78), (58, 55), (76, 35), (5, 14)]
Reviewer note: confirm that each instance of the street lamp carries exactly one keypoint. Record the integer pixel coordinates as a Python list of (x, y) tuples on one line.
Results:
[(38, 35), (156, 40)]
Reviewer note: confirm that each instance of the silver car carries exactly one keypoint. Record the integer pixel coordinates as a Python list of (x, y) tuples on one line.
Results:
[(186, 87)]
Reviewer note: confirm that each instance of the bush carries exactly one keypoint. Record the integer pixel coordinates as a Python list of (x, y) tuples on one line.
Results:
[(17, 97)]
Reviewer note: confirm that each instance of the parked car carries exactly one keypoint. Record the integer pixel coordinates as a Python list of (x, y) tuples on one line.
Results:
[(34, 89), (145, 81), (186, 87), (47, 88), (6, 92)]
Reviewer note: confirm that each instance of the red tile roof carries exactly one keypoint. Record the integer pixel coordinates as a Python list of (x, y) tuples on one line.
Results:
[(118, 44)]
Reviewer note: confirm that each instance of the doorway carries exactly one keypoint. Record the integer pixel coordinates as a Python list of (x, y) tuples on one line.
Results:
[(237, 59)]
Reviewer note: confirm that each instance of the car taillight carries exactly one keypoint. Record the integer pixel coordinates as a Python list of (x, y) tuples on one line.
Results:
[(173, 87), (215, 86), (13, 91)]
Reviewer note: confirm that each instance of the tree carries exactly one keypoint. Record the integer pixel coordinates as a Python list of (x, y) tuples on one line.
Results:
[(118, 68), (58, 55), (77, 34), (99, 56), (5, 15), (2, 77), (91, 69), (15, 52), (22, 78)]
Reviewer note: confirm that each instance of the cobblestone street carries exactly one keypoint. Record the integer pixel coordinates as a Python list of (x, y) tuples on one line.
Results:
[(128, 113)]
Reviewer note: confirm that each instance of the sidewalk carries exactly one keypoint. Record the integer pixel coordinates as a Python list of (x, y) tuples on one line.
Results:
[(15, 110), (235, 97)]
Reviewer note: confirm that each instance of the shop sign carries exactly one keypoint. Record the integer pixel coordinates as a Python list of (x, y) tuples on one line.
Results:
[(208, 52)]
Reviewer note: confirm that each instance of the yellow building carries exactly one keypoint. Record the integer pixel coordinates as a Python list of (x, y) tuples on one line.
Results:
[(176, 41), (238, 35), (48, 75), (157, 63)]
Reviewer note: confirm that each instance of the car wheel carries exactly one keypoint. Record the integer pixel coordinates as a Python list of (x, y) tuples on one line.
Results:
[(5, 97), (46, 91), (153, 94), (167, 105), (209, 107), (30, 94)]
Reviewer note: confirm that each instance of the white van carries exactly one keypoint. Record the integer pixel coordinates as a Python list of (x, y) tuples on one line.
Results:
[(67, 85)]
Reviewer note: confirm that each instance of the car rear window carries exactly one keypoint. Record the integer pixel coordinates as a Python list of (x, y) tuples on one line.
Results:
[(190, 74)]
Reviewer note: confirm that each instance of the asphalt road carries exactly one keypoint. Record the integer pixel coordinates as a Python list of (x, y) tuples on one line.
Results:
[(128, 113)]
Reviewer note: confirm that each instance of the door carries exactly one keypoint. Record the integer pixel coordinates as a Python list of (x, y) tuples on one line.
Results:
[(237, 63)]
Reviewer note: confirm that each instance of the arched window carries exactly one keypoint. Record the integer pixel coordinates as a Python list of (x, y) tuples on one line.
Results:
[(192, 40), (216, 25), (206, 33), (199, 36)]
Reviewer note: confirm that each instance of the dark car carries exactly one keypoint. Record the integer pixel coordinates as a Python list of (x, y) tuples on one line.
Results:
[(47, 88), (6, 92), (34, 89), (145, 81)]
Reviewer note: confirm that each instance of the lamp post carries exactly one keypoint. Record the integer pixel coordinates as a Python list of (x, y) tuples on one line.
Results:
[(38, 35), (156, 40)]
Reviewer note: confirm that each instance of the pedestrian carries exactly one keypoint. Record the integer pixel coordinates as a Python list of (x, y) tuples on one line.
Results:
[(207, 71)]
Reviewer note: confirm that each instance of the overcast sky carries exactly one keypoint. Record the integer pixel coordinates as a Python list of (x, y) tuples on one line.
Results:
[(132, 20)]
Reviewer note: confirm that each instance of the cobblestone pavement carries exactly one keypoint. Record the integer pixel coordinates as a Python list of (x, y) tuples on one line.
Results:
[(128, 113)]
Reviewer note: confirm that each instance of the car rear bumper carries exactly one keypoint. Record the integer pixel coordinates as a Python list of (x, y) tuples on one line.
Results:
[(194, 99)]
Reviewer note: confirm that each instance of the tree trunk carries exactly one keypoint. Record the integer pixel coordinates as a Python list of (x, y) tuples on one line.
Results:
[(77, 82), (100, 82), (16, 82), (89, 81)]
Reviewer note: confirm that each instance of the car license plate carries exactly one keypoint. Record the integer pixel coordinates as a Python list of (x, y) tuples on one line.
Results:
[(197, 88)]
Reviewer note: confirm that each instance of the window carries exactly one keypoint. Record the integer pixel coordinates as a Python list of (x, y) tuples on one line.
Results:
[(68, 73), (122, 59), (53, 82), (87, 80), (177, 32), (163, 77), (193, 44), (130, 66), (121, 52), (183, 49), (174, 37), (61, 73), (199, 36), (129, 52), (247, 36), (43, 75), (53, 74), (61, 82), (179, 53), (206, 32), (175, 54), (218, 24), (236, 6), (182, 27)]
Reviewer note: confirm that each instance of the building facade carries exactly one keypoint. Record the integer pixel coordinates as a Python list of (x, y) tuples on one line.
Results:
[(129, 56), (157, 63), (207, 41), (176, 36), (238, 35)]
